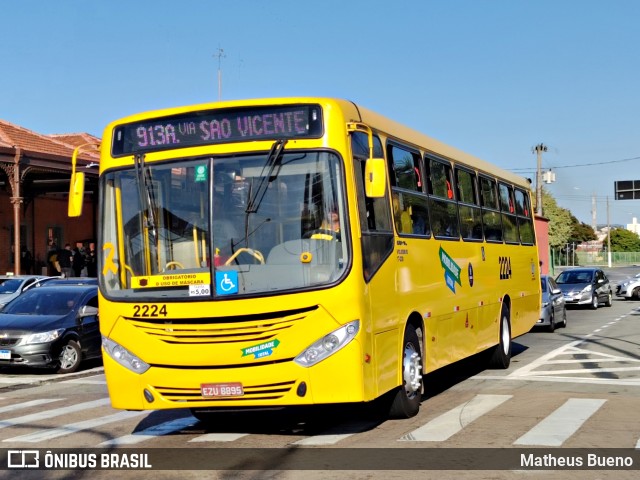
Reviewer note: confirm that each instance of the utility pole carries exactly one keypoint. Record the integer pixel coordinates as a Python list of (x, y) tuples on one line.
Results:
[(594, 213), (539, 149), (608, 236), (220, 55)]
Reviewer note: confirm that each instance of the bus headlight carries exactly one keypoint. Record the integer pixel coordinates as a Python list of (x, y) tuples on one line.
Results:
[(123, 356), (328, 345)]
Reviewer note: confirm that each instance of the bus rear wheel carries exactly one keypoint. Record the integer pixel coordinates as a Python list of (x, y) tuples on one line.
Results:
[(501, 355), (406, 401)]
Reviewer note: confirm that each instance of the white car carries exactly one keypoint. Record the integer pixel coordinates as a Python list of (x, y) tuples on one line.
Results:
[(630, 288)]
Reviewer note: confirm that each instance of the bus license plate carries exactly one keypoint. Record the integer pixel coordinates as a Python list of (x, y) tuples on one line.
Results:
[(5, 354), (213, 390)]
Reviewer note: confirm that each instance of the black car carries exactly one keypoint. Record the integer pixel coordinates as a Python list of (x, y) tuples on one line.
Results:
[(51, 326)]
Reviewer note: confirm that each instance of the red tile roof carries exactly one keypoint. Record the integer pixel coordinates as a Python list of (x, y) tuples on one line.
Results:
[(35, 144)]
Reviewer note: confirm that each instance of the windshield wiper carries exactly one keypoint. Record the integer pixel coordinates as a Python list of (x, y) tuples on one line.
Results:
[(147, 198), (274, 160)]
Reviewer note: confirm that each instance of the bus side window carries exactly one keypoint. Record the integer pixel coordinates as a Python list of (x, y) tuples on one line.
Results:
[(525, 223), (470, 214), (509, 220), (442, 202), (410, 206), (491, 219)]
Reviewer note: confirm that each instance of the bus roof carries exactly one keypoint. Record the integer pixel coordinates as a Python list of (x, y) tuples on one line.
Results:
[(351, 111)]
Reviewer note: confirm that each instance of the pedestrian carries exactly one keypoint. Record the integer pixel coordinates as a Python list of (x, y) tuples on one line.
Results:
[(65, 258), (27, 261), (77, 261), (92, 265)]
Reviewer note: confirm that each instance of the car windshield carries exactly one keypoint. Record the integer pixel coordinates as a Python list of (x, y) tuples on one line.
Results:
[(574, 277), (9, 285), (543, 282), (43, 301)]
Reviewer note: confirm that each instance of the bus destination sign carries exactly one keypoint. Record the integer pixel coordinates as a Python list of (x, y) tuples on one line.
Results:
[(217, 126)]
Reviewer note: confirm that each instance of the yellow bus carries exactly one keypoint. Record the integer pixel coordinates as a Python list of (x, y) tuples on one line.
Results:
[(301, 251)]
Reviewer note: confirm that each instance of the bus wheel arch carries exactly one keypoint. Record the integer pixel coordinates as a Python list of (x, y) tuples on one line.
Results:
[(501, 354), (405, 399)]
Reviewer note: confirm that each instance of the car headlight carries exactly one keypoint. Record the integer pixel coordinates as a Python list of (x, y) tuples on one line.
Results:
[(328, 345), (586, 289), (42, 337), (123, 356), (545, 304)]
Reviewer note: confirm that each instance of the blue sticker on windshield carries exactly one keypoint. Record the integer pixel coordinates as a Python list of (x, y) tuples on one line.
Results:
[(226, 282)]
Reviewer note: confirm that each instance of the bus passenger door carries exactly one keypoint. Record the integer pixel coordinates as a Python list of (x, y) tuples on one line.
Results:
[(378, 268)]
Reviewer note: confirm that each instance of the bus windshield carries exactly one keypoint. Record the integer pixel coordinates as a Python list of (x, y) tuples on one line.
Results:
[(224, 226)]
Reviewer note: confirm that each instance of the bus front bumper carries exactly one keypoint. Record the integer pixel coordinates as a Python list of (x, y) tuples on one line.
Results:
[(336, 379)]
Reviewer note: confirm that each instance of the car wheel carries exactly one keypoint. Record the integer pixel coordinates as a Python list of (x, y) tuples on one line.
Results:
[(552, 322), (609, 301), (594, 302), (406, 401), (69, 358), (501, 355)]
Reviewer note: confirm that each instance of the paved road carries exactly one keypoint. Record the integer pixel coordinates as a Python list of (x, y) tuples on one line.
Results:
[(576, 388)]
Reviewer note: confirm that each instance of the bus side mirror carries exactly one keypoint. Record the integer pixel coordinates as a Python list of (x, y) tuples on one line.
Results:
[(76, 194), (375, 177)]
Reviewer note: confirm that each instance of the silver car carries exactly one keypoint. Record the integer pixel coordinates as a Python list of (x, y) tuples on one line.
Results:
[(630, 288), (553, 312), (585, 286), (11, 286)]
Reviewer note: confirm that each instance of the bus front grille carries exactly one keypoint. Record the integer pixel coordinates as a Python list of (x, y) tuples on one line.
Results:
[(272, 391), (222, 330)]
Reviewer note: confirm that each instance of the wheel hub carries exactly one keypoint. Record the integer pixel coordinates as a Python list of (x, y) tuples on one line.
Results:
[(411, 371)]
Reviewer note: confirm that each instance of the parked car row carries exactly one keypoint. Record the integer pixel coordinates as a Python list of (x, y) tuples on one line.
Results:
[(48, 322), (576, 286)]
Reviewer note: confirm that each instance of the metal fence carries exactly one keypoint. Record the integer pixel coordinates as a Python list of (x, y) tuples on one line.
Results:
[(618, 259)]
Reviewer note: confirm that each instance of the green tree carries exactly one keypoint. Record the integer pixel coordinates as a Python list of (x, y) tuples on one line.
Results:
[(623, 240), (560, 224), (581, 232)]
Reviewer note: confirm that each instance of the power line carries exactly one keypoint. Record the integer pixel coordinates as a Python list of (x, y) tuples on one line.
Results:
[(578, 165)]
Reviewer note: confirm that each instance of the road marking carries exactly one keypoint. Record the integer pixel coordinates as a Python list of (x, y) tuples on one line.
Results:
[(31, 403), (556, 428), (328, 439), (448, 424), (336, 434), (219, 437), (50, 434), (87, 381), (593, 381), (56, 412), (152, 432)]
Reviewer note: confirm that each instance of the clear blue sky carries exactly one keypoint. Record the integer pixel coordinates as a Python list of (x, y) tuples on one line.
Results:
[(492, 77)]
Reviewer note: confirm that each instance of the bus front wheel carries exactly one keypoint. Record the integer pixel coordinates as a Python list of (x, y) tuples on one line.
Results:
[(406, 401), (501, 355)]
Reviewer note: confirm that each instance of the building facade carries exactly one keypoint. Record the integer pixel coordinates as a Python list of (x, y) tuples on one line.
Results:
[(35, 172)]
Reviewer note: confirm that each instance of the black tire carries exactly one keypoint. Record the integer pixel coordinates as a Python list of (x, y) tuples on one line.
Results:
[(406, 399), (501, 355), (552, 322), (594, 302), (69, 358), (609, 301)]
